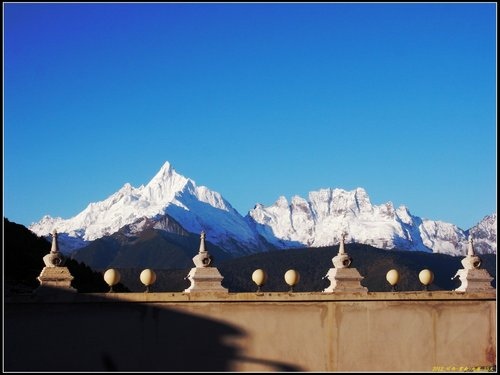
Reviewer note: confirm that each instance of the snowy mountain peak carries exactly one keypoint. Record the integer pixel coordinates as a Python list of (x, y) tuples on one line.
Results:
[(331, 211), (485, 234), (165, 172), (298, 201), (316, 221), (195, 208), (45, 223), (121, 208), (165, 185), (166, 167), (354, 201), (404, 214), (281, 202)]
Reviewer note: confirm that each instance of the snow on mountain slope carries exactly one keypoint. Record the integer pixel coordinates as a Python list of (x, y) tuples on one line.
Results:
[(196, 208), (443, 237), (317, 221), (485, 235), (320, 220), (121, 208)]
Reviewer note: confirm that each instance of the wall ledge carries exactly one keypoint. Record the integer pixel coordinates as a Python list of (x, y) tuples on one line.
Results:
[(58, 296)]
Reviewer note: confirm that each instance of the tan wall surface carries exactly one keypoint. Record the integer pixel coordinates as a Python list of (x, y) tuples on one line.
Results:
[(413, 331)]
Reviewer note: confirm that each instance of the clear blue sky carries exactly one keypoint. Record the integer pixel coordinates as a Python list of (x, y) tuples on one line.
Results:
[(253, 101)]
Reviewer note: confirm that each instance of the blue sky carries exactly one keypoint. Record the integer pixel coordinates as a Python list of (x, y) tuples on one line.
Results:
[(253, 101)]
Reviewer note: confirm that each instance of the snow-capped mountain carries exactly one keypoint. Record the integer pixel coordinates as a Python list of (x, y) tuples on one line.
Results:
[(317, 221), (196, 208), (485, 235)]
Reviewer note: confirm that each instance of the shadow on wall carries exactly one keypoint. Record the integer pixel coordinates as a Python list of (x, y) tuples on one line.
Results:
[(100, 335)]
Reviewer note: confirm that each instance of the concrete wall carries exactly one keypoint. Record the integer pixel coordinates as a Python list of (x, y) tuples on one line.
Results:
[(410, 331)]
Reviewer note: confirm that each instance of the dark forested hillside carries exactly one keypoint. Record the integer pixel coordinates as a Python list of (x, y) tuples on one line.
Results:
[(313, 264), (23, 253), (151, 248), (372, 263)]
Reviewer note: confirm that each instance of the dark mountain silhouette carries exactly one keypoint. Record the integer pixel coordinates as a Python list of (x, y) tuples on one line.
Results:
[(372, 263), (313, 264), (23, 253), (151, 248)]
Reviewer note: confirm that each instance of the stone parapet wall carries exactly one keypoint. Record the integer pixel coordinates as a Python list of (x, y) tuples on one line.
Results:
[(394, 331)]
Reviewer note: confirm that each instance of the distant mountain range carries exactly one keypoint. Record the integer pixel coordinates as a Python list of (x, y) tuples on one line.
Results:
[(177, 207)]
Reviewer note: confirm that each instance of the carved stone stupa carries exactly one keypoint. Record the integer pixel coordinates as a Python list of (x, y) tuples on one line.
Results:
[(473, 279), (204, 277), (342, 278), (54, 275)]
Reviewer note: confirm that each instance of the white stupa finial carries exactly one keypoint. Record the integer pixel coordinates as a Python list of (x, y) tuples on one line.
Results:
[(470, 246), (54, 248), (342, 242), (471, 260), (202, 242)]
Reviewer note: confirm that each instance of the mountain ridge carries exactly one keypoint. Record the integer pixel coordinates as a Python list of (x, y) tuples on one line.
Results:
[(314, 222)]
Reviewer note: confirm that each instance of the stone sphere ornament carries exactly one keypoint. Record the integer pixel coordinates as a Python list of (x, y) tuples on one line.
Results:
[(259, 277), (392, 278), (426, 277), (292, 278), (112, 277), (148, 278)]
